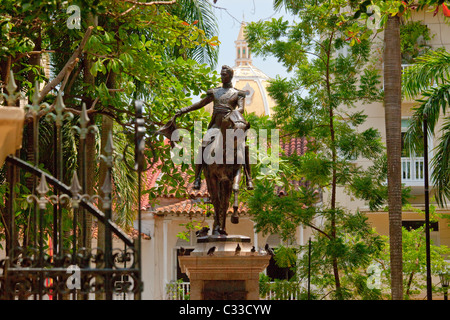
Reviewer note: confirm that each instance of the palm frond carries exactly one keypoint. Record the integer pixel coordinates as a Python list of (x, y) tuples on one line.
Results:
[(431, 69), (289, 5), (277, 4), (125, 183), (202, 12), (435, 102), (440, 164)]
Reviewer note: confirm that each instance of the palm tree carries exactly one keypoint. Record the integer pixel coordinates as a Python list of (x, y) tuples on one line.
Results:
[(200, 13), (429, 77), (392, 104)]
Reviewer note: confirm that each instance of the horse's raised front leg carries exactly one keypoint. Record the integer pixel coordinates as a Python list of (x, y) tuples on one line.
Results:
[(235, 215)]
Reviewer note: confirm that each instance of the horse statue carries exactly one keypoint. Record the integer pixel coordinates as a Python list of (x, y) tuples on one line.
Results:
[(223, 177), (224, 173)]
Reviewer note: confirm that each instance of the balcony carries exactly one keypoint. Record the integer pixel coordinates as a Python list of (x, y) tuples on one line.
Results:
[(413, 171)]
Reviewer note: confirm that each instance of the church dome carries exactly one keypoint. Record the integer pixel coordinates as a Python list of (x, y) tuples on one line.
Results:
[(249, 78)]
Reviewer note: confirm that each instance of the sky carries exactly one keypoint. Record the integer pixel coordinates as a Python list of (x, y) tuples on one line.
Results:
[(229, 19)]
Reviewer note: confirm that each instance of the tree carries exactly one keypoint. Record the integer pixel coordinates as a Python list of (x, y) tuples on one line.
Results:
[(428, 82), (390, 18), (199, 13), (414, 267), (123, 51), (392, 104), (390, 13), (316, 104)]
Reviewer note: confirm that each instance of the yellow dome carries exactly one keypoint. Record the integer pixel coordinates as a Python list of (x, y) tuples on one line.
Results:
[(249, 78)]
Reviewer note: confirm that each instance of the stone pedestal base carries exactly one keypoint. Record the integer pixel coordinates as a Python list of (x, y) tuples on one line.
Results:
[(226, 274)]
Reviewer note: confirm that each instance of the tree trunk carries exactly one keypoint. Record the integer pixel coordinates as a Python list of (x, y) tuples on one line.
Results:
[(334, 172), (32, 154), (392, 104), (107, 127), (91, 151)]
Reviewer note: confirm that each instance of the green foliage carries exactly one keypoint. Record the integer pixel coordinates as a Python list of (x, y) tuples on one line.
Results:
[(317, 103), (159, 54), (429, 69), (355, 246), (413, 38), (280, 289), (414, 261), (189, 227), (427, 81), (285, 257), (176, 292), (283, 214)]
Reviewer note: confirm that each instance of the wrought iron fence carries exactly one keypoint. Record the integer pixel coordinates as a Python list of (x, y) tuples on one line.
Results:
[(50, 258)]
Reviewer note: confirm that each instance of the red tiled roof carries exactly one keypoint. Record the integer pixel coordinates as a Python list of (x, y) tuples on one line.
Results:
[(190, 191), (292, 146), (192, 207), (133, 233)]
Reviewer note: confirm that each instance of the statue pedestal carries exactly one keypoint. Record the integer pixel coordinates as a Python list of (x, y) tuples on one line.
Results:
[(224, 275)]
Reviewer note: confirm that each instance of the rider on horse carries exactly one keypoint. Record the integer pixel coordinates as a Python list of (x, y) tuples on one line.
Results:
[(225, 99)]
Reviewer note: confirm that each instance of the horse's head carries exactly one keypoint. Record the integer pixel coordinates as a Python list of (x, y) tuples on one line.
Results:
[(234, 127), (235, 120)]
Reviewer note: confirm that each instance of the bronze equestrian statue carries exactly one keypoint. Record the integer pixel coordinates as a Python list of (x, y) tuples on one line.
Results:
[(223, 177)]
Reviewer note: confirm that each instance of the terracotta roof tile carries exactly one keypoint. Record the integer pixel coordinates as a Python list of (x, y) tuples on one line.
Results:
[(292, 146), (192, 207), (133, 233)]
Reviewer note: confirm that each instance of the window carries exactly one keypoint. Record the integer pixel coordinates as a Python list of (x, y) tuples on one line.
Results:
[(413, 165)]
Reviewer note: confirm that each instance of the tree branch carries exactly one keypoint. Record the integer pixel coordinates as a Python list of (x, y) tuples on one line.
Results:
[(68, 67), (128, 10), (78, 112), (68, 72), (72, 81), (318, 230)]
